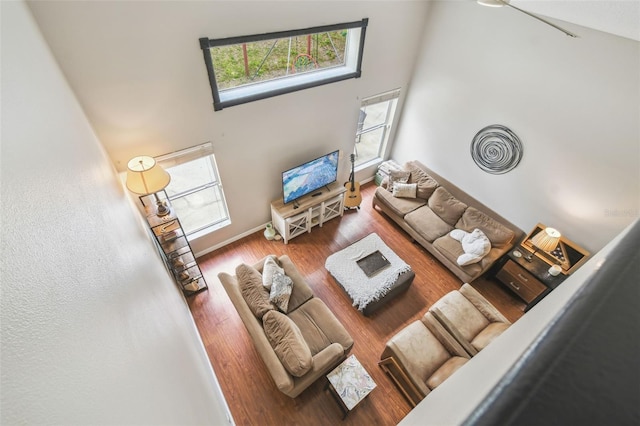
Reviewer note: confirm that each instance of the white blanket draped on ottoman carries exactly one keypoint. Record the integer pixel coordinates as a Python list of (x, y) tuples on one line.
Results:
[(362, 289)]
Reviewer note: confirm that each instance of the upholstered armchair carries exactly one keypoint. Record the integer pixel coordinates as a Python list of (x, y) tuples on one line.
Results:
[(465, 319), (418, 362)]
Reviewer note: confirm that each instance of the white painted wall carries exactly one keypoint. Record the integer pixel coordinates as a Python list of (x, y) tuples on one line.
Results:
[(93, 330), (574, 103), (138, 71)]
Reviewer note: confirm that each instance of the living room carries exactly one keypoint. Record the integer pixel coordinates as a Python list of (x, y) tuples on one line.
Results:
[(574, 103)]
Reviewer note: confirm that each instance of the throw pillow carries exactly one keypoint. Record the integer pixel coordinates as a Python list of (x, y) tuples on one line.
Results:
[(404, 190), (281, 288), (270, 267), (426, 184), (446, 206), (288, 343), (253, 292), (475, 244), (399, 176)]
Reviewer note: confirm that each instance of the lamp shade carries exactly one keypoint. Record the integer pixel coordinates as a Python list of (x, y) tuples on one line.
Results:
[(546, 240), (145, 176)]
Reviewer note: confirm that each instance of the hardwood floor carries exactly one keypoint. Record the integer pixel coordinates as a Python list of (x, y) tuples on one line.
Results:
[(248, 388)]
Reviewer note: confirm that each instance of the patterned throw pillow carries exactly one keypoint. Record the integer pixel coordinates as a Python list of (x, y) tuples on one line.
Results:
[(281, 288), (397, 176)]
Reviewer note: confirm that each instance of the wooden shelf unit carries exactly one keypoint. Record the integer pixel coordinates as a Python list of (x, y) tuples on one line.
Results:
[(296, 218)]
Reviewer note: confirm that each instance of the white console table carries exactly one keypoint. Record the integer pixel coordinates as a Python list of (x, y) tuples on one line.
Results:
[(291, 221)]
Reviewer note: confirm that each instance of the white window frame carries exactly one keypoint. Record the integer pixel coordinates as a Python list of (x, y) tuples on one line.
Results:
[(190, 154), (393, 96), (352, 67)]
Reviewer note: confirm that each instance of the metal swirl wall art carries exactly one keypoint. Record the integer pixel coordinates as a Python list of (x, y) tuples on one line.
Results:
[(496, 149)]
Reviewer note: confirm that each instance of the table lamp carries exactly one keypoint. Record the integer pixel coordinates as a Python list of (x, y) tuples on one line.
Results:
[(145, 176), (545, 240)]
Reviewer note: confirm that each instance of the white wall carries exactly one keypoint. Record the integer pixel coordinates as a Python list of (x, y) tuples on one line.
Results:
[(93, 331), (574, 103), (139, 73)]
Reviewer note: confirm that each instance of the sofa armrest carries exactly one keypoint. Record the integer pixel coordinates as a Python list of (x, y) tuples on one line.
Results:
[(323, 362), (482, 304)]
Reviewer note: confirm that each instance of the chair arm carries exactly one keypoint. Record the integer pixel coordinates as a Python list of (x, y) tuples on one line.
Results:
[(482, 304)]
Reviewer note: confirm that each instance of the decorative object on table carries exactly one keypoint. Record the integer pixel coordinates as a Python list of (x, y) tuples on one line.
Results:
[(500, 3), (496, 149), (145, 176), (269, 232), (567, 254), (547, 240), (352, 198), (555, 270)]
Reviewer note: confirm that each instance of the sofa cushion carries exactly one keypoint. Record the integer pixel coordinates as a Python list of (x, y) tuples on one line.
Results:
[(458, 310), (445, 370), (487, 335), (498, 234), (427, 224), (399, 206), (320, 327), (452, 250), (287, 342), (404, 190), (426, 184), (253, 292), (446, 206)]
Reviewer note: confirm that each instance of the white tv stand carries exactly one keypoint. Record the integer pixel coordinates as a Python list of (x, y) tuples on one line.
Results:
[(293, 219)]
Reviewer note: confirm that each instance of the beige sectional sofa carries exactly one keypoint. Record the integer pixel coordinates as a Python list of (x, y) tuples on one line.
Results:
[(440, 207), (297, 346)]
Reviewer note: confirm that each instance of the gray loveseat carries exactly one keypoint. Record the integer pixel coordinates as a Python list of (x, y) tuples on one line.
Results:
[(440, 207)]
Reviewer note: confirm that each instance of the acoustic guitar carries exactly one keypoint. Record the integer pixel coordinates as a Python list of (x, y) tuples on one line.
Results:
[(352, 197)]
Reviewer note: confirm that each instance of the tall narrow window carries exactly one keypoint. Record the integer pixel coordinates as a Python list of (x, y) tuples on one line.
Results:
[(247, 68), (195, 190), (374, 125)]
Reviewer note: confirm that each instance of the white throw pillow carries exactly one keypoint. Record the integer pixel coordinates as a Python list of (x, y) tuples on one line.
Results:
[(270, 267), (405, 190)]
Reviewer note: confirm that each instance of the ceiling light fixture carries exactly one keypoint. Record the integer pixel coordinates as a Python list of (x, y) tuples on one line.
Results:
[(500, 3)]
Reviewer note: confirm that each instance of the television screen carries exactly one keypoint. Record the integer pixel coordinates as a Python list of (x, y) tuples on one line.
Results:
[(308, 177)]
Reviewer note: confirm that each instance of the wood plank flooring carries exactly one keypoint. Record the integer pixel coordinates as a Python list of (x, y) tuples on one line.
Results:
[(248, 388)]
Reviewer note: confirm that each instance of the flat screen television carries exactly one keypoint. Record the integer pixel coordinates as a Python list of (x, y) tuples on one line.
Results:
[(309, 177)]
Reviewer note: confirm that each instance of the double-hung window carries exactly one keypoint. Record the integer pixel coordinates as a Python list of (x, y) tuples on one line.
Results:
[(247, 68), (195, 190), (374, 126)]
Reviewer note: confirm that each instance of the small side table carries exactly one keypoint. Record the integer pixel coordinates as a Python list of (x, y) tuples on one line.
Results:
[(530, 281), (349, 383)]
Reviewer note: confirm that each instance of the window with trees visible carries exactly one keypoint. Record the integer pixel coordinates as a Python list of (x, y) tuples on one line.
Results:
[(247, 68)]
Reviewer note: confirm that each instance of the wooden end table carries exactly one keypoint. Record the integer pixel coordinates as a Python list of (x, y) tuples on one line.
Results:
[(529, 280), (349, 383)]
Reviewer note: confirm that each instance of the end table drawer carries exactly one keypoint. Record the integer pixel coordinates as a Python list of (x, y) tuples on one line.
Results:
[(520, 281)]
